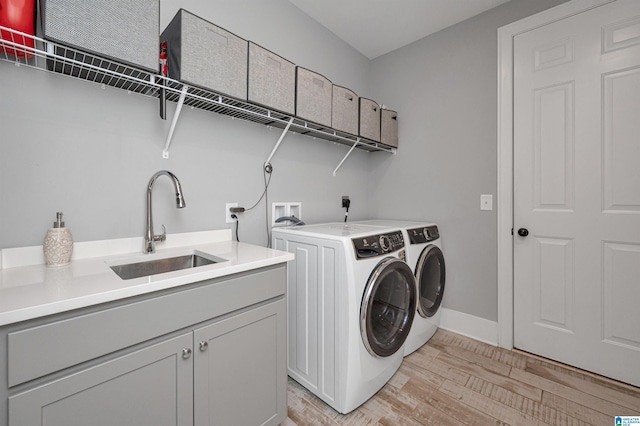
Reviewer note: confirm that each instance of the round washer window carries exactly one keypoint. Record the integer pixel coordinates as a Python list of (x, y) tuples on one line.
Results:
[(388, 307), (430, 275)]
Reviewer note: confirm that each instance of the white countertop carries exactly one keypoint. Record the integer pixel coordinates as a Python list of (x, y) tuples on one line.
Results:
[(35, 290)]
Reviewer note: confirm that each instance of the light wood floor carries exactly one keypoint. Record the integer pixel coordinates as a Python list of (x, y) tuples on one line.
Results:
[(454, 380)]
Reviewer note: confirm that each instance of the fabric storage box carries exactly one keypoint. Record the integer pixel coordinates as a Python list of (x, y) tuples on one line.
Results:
[(123, 31), (344, 113), (313, 97), (205, 55), (389, 127), (272, 80), (369, 119)]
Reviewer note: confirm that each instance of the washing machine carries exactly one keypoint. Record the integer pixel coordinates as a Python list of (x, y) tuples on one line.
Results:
[(351, 300), (425, 256)]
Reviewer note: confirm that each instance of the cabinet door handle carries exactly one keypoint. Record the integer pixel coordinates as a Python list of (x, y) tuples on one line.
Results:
[(186, 353), (203, 346)]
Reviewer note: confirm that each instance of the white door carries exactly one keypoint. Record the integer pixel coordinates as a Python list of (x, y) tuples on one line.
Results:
[(577, 190)]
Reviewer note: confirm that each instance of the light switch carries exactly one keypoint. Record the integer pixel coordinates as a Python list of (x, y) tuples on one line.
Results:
[(486, 202)]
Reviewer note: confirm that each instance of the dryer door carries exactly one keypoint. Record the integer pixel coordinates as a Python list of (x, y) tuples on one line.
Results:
[(388, 307), (430, 277)]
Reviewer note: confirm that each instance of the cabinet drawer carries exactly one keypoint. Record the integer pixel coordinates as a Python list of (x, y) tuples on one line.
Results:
[(37, 351)]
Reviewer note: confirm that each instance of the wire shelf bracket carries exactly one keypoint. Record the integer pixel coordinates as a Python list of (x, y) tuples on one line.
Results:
[(275, 148), (335, 171), (174, 121)]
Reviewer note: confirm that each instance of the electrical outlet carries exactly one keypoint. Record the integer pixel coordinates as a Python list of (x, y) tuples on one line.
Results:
[(228, 217)]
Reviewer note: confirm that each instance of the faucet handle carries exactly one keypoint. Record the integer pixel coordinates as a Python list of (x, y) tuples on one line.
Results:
[(162, 237)]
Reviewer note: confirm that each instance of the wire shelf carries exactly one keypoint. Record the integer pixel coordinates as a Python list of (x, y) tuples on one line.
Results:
[(34, 52)]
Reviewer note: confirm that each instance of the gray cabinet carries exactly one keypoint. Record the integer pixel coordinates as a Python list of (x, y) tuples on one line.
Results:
[(152, 386), (211, 353), (240, 369)]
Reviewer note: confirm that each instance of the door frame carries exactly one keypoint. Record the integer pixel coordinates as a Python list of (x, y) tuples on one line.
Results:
[(505, 205)]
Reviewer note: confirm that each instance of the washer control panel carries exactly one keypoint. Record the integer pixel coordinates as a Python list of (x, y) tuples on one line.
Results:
[(377, 245), (423, 235)]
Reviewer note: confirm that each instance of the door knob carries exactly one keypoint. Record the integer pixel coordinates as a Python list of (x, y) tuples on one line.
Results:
[(523, 232)]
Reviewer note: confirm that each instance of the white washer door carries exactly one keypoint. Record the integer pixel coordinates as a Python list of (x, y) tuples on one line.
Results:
[(388, 307), (430, 278)]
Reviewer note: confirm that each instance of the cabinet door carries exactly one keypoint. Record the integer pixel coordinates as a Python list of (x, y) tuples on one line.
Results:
[(152, 386), (240, 369)]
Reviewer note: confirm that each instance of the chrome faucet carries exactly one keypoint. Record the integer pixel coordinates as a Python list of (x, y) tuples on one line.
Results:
[(149, 238)]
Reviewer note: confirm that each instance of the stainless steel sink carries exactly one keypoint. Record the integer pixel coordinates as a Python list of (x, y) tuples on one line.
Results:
[(160, 266)]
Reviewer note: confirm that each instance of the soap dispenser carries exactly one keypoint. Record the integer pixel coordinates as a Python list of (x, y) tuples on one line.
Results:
[(58, 244)]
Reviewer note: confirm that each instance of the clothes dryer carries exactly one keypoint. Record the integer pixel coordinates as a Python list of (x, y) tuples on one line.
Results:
[(425, 256), (351, 301)]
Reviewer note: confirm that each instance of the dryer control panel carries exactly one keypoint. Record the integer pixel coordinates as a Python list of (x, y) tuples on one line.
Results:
[(423, 235), (377, 245)]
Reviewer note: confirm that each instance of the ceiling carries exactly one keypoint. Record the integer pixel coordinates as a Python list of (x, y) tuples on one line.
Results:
[(376, 27)]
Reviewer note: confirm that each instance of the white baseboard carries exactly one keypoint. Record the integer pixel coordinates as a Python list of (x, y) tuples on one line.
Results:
[(471, 326)]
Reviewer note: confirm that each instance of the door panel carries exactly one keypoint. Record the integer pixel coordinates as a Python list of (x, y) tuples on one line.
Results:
[(117, 392), (621, 294), (246, 353), (577, 190), (555, 53), (621, 149), (621, 35), (553, 283), (553, 144)]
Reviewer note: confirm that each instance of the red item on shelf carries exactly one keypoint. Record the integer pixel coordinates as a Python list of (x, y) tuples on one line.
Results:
[(163, 59), (19, 15)]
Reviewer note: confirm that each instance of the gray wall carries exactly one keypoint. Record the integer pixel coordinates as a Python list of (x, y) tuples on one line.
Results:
[(445, 90), (70, 146)]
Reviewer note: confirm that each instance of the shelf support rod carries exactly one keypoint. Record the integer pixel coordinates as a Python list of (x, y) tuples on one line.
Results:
[(345, 157), (275, 148), (176, 115)]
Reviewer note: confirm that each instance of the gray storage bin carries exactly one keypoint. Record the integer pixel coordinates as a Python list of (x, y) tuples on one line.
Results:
[(344, 113), (205, 55), (313, 97), (389, 128), (126, 32), (369, 119), (272, 80)]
